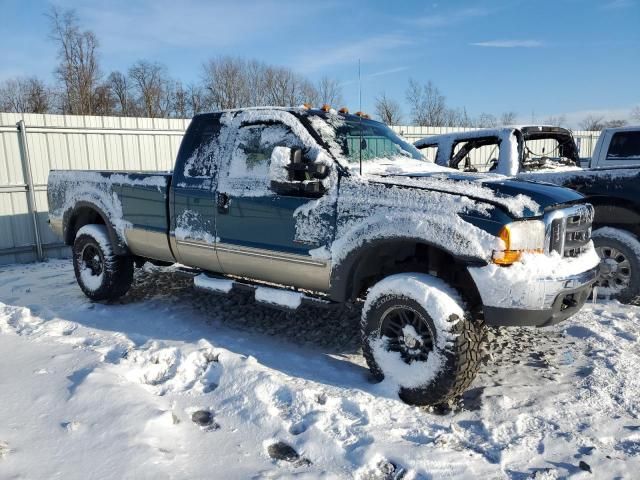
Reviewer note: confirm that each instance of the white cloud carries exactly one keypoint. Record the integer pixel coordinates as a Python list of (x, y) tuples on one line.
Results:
[(446, 19), (618, 4), (389, 71), (371, 48), (509, 44)]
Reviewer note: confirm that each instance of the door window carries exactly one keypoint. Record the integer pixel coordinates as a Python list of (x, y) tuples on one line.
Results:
[(251, 156)]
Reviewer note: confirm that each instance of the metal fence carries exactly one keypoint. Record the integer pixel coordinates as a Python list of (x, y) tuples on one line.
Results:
[(31, 145)]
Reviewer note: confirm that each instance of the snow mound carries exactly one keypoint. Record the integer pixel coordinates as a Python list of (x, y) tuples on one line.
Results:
[(171, 369)]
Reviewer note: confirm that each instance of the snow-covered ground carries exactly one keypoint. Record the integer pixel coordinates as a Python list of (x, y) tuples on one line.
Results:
[(93, 390)]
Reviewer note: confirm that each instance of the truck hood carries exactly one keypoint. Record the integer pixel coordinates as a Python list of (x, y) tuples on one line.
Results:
[(521, 198)]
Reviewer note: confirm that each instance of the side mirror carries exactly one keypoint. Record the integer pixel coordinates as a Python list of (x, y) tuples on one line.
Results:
[(291, 174)]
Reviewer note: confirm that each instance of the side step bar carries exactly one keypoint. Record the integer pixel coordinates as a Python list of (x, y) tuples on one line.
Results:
[(282, 298)]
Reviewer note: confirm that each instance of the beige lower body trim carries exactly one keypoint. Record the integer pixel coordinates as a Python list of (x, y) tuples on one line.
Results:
[(197, 254), (299, 271), (149, 244)]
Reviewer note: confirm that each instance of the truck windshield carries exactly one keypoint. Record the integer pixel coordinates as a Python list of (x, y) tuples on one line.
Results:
[(369, 140)]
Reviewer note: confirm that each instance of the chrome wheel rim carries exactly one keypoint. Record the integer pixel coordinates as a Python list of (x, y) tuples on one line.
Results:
[(615, 269), (407, 332)]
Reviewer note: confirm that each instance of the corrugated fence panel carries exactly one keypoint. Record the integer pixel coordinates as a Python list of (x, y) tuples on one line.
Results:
[(70, 142), (101, 143)]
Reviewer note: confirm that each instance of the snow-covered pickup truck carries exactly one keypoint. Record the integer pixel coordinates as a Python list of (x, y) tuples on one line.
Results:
[(317, 205), (611, 183)]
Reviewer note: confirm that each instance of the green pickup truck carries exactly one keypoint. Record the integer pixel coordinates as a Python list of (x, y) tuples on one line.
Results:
[(306, 205)]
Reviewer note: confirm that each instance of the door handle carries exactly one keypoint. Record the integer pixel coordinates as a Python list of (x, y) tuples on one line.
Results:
[(223, 203)]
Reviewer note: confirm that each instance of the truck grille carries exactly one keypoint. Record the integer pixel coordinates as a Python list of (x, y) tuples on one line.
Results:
[(568, 230)]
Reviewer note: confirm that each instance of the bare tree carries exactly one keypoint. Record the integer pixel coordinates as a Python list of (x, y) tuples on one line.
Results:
[(592, 123), (388, 110), (78, 70), (508, 118), (151, 87), (103, 102), (428, 105), (225, 81), (121, 89), (329, 91), (556, 121), (196, 99), (486, 120), (597, 123), (616, 122), (635, 113), (25, 95), (180, 101)]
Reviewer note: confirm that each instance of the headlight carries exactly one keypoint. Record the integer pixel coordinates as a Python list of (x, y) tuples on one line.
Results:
[(519, 237)]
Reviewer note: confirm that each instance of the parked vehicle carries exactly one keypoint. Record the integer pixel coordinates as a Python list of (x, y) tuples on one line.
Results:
[(616, 147), (310, 205), (611, 183)]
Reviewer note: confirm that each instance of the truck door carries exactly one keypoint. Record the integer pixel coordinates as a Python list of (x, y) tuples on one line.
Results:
[(256, 227), (193, 203)]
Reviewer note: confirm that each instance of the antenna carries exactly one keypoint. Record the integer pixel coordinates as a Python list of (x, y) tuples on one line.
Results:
[(360, 110)]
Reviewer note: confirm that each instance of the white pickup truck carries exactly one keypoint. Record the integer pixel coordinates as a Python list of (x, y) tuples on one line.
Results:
[(615, 147)]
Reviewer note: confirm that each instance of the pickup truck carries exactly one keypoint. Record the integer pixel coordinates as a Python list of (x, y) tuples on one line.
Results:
[(313, 205), (611, 183), (618, 146)]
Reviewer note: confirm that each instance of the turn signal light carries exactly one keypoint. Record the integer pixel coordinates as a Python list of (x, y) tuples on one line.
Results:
[(343, 110), (326, 107), (518, 237)]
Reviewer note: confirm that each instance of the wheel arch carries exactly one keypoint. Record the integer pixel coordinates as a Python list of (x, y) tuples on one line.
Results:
[(365, 266), (616, 213), (85, 213)]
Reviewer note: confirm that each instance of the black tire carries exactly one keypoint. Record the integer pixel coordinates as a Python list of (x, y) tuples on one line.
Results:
[(101, 274), (619, 276), (456, 341)]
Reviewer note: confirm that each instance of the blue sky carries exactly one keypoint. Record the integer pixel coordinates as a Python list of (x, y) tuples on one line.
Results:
[(538, 58)]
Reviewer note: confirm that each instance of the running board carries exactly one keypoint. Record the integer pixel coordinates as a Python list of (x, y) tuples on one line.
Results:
[(281, 298)]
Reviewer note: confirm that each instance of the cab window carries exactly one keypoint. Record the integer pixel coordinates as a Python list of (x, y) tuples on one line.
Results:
[(624, 146)]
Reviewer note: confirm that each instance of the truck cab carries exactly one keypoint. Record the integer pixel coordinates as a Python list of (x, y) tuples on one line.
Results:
[(616, 147)]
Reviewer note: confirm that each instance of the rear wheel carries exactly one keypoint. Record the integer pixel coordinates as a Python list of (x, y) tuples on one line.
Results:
[(619, 276), (100, 273), (417, 335)]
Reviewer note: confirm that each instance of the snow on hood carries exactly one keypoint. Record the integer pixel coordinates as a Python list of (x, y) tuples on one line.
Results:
[(475, 187)]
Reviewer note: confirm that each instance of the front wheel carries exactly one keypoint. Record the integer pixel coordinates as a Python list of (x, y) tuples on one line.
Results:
[(619, 252), (101, 274), (416, 333)]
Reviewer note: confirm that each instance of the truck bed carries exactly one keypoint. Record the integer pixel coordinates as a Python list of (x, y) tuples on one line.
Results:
[(134, 203)]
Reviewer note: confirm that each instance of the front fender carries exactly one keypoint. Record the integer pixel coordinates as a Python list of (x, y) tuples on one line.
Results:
[(454, 236)]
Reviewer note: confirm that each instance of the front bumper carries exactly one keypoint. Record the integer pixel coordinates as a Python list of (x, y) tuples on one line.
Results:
[(539, 302)]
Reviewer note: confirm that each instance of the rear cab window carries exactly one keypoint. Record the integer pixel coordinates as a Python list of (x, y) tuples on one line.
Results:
[(476, 155), (624, 146)]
